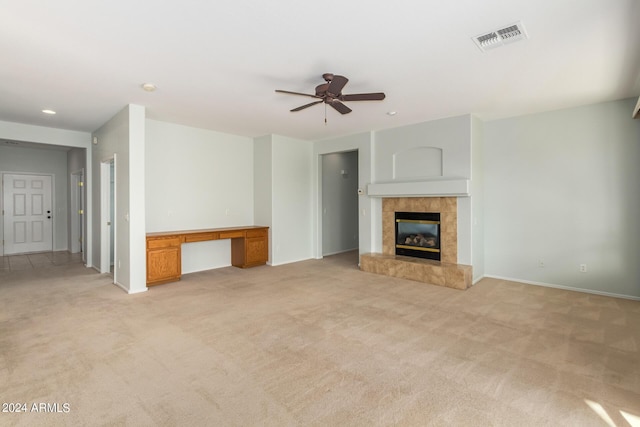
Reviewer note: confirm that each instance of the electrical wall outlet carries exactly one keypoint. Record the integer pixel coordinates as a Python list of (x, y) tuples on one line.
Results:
[(540, 263), (583, 268)]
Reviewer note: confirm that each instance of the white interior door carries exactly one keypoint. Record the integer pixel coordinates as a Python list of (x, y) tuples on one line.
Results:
[(28, 213), (77, 212), (109, 225)]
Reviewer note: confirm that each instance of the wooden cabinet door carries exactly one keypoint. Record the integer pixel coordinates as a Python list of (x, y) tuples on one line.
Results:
[(163, 265), (251, 250), (257, 251)]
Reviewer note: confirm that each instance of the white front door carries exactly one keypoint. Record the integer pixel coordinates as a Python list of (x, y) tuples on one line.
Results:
[(28, 213)]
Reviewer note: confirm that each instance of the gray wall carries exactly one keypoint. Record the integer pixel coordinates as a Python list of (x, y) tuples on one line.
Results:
[(76, 159), (339, 202), (45, 161), (46, 136), (562, 188)]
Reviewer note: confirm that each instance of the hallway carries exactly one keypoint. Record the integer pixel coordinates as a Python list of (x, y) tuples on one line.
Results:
[(38, 261)]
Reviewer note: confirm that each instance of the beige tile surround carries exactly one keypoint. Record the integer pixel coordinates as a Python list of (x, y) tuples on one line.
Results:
[(443, 273)]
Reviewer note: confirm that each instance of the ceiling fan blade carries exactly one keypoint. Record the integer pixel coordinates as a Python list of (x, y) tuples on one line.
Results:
[(302, 107), (379, 96), (336, 85), (340, 107), (297, 93)]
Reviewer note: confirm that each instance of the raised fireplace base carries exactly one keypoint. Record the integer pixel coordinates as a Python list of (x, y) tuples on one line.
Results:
[(455, 276)]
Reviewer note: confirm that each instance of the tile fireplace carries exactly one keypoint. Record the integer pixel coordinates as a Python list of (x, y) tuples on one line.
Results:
[(445, 271)]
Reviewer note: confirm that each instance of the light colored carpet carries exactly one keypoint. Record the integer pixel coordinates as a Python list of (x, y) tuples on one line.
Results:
[(313, 343)]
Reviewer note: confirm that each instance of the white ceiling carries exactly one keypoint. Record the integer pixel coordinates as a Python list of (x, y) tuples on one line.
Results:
[(216, 64)]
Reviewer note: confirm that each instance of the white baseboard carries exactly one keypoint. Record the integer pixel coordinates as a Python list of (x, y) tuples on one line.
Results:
[(130, 292), (289, 262), (477, 280), (121, 287), (137, 292), (566, 288)]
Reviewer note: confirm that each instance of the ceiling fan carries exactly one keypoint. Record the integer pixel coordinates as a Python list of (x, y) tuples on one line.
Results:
[(330, 93)]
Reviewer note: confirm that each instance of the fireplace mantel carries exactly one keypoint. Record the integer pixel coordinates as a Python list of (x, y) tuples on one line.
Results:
[(436, 187)]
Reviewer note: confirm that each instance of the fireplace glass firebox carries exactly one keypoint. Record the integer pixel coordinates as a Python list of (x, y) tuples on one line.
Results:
[(418, 234)]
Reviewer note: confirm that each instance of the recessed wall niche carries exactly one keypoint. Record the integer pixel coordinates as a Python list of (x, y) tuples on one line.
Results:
[(417, 163)]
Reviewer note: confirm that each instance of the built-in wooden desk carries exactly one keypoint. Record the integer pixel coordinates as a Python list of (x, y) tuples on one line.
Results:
[(249, 248)]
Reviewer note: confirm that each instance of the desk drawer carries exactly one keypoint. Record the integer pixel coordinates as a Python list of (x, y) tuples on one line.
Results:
[(200, 237), (256, 233), (231, 234), (163, 242)]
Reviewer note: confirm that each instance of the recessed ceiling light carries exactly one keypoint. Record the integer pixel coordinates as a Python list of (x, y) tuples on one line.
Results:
[(48, 112), (149, 87), (391, 113)]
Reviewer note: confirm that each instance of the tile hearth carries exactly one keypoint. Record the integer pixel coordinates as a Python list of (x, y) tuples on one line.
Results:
[(443, 273)]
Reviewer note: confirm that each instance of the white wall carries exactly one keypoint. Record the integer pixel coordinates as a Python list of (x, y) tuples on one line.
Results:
[(263, 186), (562, 187), (453, 136), (477, 198), (137, 187), (42, 161), (44, 135), (124, 136), (339, 202), (291, 200), (197, 179)]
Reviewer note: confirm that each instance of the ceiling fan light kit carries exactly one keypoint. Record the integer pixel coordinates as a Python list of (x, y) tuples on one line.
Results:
[(331, 94)]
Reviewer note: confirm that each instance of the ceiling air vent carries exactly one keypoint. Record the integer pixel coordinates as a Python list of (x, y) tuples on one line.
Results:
[(500, 37)]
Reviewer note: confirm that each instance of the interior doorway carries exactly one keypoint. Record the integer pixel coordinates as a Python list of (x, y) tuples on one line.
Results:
[(28, 213), (340, 219), (108, 223)]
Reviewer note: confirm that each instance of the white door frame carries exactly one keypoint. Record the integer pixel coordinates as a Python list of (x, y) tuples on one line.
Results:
[(106, 222), (320, 197)]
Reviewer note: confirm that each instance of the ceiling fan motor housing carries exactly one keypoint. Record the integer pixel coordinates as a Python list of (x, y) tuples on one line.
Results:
[(321, 90)]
